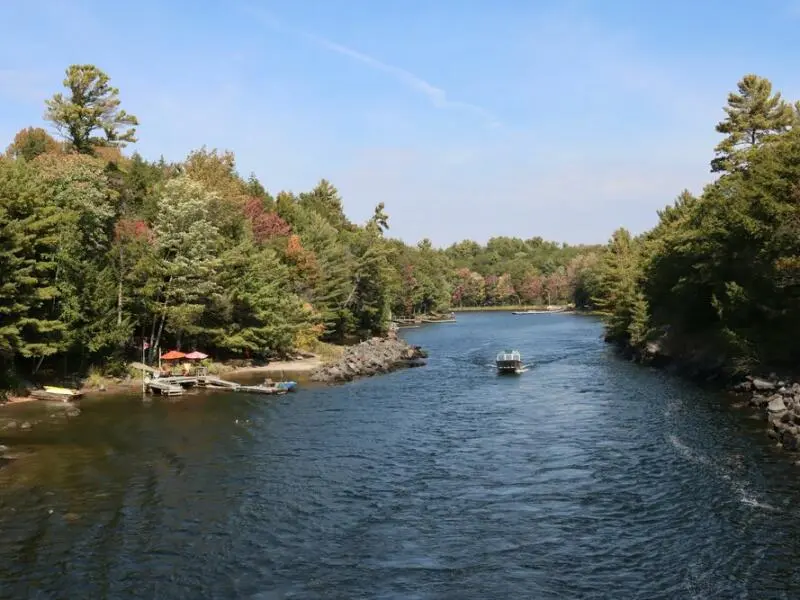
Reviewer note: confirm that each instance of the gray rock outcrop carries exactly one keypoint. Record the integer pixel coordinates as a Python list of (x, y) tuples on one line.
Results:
[(371, 357)]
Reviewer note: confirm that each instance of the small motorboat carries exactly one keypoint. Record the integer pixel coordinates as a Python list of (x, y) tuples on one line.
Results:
[(261, 389), (289, 386), (509, 361)]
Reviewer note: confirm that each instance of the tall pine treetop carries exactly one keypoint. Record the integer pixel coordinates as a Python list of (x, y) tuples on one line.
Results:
[(91, 106), (754, 114)]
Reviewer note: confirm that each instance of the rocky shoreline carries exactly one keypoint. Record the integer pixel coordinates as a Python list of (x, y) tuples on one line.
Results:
[(776, 397), (371, 357), (779, 402)]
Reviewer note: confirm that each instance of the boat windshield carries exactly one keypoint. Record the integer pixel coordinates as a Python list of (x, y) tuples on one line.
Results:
[(509, 355)]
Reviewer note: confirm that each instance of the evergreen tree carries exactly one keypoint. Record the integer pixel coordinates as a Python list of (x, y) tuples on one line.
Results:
[(92, 105), (29, 226), (754, 115)]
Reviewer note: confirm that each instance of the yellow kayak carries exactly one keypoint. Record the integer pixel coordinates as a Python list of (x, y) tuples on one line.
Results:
[(61, 391)]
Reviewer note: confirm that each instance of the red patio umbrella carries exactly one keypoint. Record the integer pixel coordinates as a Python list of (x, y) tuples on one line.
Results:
[(173, 355)]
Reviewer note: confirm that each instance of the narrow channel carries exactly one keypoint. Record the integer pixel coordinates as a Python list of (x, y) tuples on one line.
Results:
[(584, 477)]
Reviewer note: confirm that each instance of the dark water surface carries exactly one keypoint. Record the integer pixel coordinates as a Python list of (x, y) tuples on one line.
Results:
[(586, 477)]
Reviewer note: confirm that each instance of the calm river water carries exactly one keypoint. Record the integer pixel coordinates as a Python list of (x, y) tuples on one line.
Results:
[(586, 477)]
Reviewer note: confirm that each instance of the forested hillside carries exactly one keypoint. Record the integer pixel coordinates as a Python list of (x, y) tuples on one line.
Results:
[(720, 272), (105, 252)]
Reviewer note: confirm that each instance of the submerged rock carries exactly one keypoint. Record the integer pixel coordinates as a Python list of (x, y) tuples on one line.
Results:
[(371, 357)]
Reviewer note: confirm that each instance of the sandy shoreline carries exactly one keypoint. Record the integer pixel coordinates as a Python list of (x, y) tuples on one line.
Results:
[(19, 400), (301, 365), (279, 369)]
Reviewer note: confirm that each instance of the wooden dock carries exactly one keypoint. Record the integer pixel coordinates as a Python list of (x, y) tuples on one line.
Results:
[(174, 386), (163, 388), (209, 381)]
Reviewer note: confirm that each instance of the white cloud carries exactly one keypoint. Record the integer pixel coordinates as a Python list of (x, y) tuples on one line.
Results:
[(436, 95)]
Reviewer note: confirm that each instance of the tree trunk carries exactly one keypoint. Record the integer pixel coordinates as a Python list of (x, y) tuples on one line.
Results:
[(155, 341), (119, 289), (151, 348), (161, 325)]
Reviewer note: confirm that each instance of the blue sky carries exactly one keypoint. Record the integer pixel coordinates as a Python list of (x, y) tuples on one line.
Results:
[(564, 119)]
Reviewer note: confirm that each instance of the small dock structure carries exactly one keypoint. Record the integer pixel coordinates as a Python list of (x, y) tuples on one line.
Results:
[(175, 385), (163, 388)]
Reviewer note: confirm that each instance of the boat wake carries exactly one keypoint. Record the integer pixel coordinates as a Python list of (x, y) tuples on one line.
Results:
[(746, 496)]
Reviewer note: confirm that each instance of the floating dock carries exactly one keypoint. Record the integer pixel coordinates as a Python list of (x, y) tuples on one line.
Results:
[(174, 386), (164, 388)]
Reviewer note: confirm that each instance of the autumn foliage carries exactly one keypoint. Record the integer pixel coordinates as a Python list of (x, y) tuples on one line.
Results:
[(303, 259), (265, 225), (133, 230)]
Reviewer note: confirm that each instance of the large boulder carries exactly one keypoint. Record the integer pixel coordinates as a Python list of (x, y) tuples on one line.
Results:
[(776, 405), (763, 385), (370, 357)]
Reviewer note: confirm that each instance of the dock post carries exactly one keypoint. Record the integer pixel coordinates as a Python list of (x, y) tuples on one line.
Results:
[(145, 345)]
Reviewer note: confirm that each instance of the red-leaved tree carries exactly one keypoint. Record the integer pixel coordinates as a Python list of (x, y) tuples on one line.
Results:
[(265, 225)]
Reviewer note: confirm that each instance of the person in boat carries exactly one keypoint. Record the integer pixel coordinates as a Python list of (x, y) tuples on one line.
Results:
[(268, 382)]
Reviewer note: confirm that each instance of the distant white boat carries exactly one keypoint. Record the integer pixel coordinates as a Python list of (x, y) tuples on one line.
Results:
[(540, 312)]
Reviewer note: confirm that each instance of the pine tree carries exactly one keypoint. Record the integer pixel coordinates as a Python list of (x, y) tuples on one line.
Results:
[(754, 115), (253, 313), (29, 226), (92, 105), (325, 200), (639, 326), (618, 285)]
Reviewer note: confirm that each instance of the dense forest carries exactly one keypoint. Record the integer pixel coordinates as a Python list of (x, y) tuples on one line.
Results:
[(720, 273), (105, 254)]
